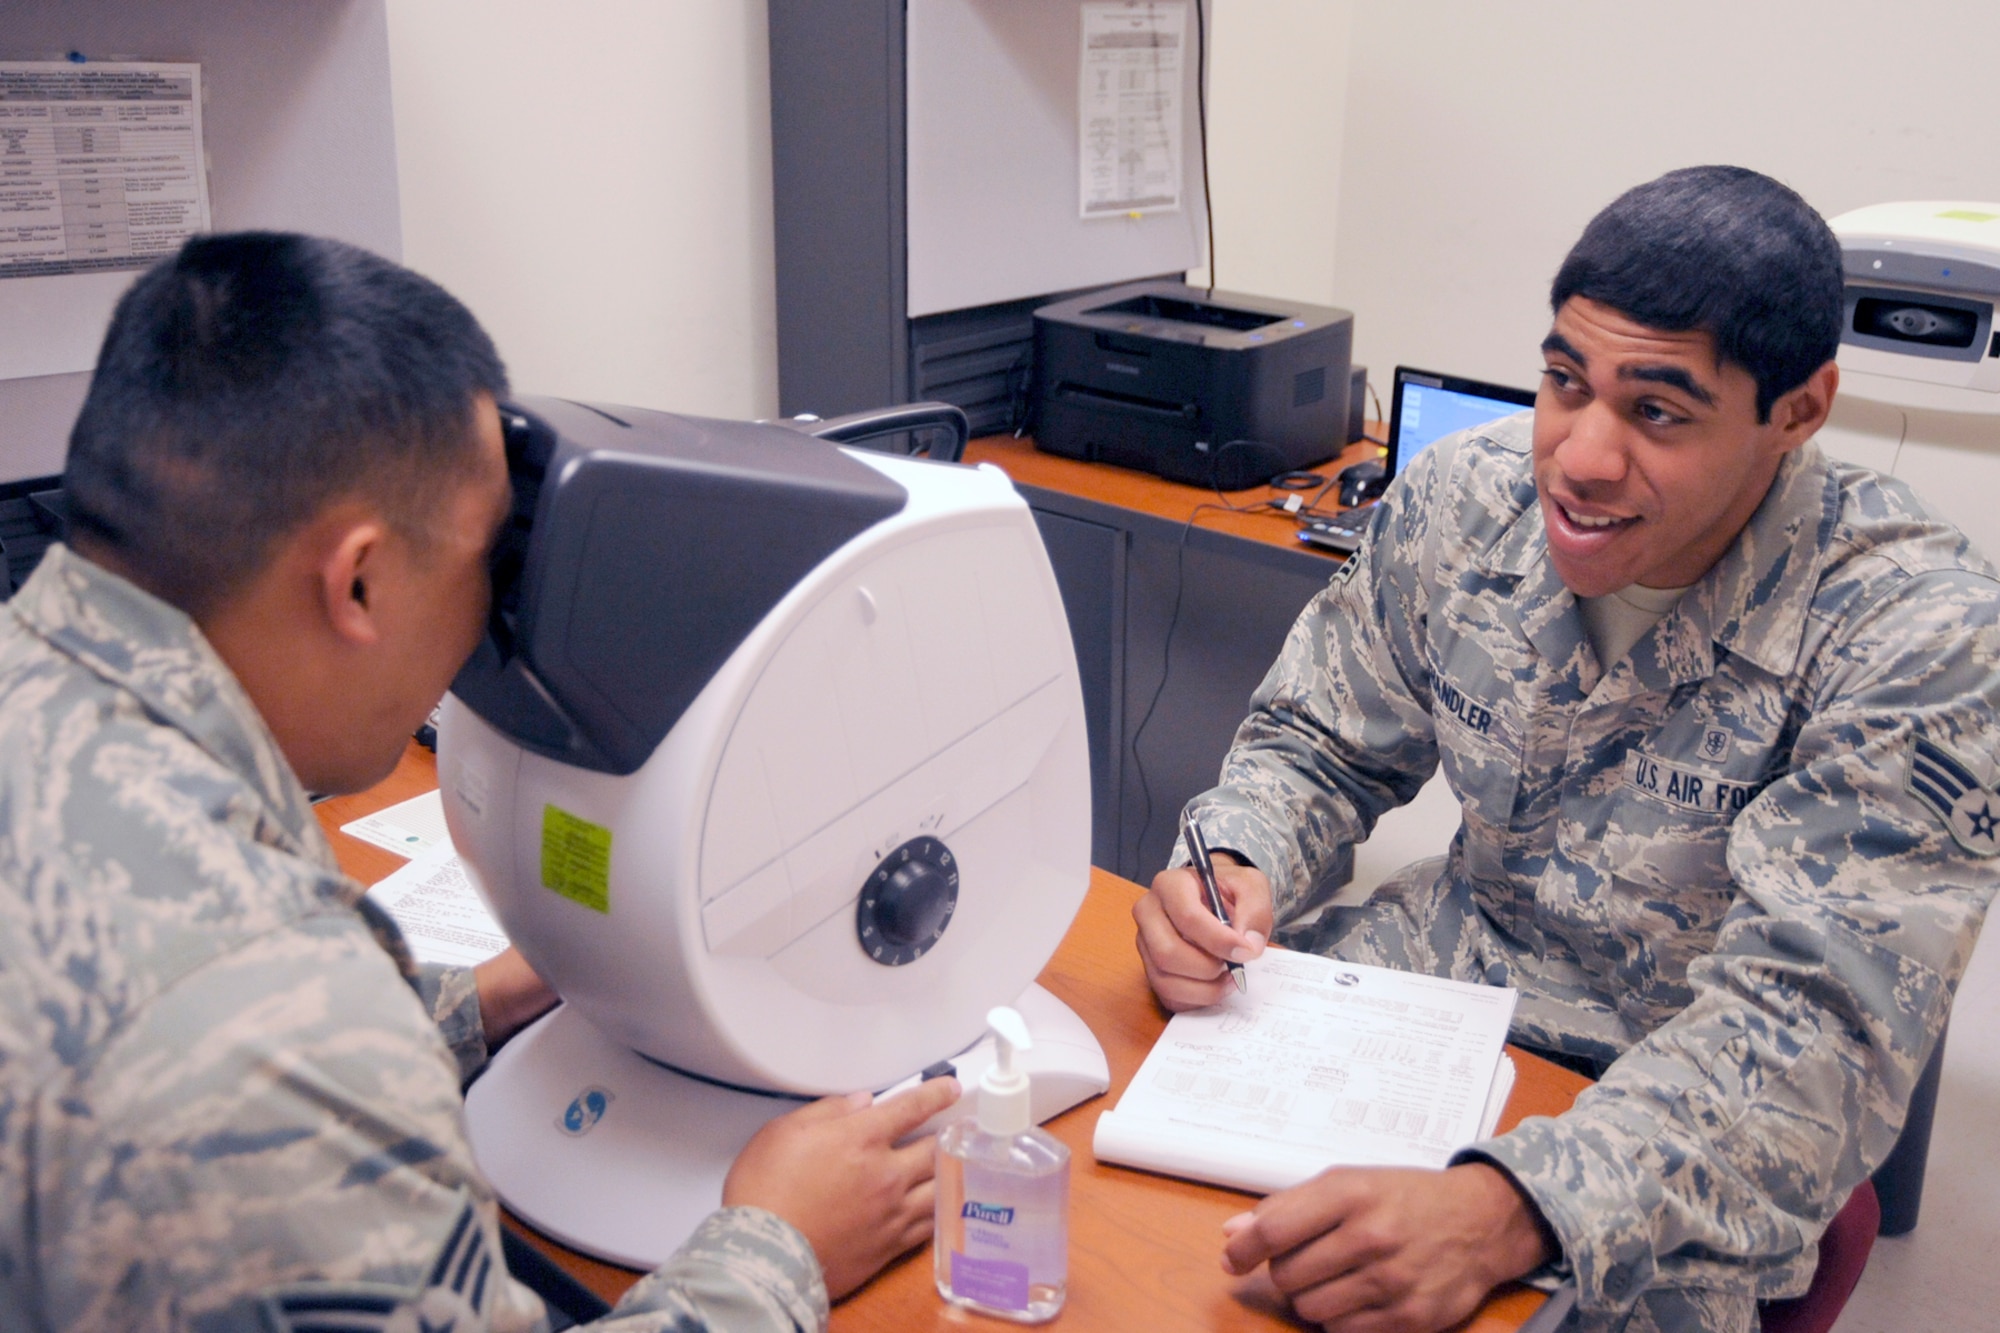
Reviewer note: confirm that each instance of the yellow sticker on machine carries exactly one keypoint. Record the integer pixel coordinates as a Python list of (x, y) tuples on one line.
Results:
[(1969, 215), (576, 858)]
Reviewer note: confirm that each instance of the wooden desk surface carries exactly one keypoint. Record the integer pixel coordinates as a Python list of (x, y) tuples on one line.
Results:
[(1145, 1250), (1243, 513)]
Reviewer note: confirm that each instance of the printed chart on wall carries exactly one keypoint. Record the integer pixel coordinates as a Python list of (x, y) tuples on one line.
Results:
[(101, 172), (1129, 107), (100, 165)]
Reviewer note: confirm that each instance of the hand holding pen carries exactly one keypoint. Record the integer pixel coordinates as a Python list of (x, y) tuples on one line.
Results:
[(1204, 865), (1186, 945)]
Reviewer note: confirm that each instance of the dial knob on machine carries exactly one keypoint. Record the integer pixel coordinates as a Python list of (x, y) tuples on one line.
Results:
[(907, 902)]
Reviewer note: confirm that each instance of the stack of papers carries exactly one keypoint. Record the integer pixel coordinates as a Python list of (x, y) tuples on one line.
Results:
[(1320, 1063), (432, 898), (441, 913)]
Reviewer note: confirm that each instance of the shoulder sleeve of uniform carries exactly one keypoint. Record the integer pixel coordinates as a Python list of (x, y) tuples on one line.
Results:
[(1339, 731), (284, 1114), (744, 1268)]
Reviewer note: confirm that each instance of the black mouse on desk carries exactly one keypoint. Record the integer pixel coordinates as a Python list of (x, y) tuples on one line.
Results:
[(1362, 482)]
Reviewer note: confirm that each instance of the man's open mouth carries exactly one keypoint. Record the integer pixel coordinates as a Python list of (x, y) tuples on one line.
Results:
[(1593, 522)]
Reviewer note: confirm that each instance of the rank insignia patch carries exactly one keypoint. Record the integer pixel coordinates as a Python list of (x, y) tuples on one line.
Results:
[(1947, 787)]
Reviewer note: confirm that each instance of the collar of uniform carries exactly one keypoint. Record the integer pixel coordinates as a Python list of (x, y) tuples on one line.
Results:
[(1490, 480), (1522, 547), (1757, 596), (153, 650), (1749, 600)]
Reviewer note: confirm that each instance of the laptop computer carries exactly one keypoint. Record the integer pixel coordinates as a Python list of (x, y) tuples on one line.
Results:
[(1424, 407)]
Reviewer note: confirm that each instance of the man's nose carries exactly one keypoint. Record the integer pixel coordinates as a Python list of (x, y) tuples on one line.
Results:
[(1595, 448)]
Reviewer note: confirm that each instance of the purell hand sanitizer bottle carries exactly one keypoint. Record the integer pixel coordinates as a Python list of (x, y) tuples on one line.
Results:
[(1002, 1243)]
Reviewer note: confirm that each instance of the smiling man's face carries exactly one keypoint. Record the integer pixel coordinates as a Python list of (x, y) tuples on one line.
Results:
[(1649, 458)]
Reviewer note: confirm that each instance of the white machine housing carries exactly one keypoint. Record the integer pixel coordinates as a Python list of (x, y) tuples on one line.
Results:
[(1920, 355), (918, 683)]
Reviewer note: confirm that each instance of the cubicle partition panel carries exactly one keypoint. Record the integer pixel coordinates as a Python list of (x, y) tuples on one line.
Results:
[(926, 187), (30, 519), (1174, 627)]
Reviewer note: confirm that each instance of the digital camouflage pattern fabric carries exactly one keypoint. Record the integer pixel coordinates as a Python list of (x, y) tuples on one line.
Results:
[(222, 1104), (1744, 867)]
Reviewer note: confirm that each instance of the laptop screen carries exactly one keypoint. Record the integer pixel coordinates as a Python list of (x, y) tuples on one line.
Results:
[(1426, 407)]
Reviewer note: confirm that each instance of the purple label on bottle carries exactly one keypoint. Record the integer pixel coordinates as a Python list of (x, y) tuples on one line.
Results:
[(994, 1282)]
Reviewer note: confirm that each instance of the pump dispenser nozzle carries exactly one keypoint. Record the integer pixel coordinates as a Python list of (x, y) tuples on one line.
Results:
[(1003, 1089), (1003, 1195)]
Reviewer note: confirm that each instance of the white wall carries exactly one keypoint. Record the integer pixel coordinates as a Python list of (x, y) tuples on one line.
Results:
[(1479, 138), (1278, 94), (594, 179)]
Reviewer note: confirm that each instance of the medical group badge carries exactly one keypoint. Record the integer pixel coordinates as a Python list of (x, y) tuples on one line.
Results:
[(1948, 788)]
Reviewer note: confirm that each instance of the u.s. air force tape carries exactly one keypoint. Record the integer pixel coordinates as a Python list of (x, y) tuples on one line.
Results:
[(1948, 790), (1688, 788)]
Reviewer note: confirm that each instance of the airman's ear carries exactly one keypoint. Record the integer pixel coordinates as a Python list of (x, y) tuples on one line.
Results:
[(1800, 413), (345, 574)]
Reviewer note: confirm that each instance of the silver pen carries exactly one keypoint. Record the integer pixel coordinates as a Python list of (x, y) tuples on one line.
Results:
[(1205, 867)]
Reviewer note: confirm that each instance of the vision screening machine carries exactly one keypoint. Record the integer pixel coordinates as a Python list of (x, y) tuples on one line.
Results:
[(1920, 355), (773, 763)]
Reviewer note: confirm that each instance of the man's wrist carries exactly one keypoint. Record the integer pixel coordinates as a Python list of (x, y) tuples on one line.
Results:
[(1520, 1239), (511, 996)]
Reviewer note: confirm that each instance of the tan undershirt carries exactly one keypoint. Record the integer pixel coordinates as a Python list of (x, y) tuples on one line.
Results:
[(1618, 620)]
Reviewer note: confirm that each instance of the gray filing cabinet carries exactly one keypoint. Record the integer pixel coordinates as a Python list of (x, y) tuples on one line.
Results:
[(1152, 600)]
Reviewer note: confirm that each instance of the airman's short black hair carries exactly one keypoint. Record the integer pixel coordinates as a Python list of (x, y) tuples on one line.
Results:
[(1724, 251), (251, 379)]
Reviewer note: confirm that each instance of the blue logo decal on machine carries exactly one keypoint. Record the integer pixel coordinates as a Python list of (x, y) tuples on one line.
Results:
[(584, 1111), (1948, 790)]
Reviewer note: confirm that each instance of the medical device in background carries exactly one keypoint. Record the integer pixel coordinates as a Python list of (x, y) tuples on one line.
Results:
[(772, 761), (1920, 355)]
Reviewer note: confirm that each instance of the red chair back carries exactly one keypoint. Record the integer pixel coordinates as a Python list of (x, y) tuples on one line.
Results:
[(1843, 1253)]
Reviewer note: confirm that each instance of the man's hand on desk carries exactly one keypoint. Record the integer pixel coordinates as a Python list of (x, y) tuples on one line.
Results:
[(1390, 1250), (833, 1170), (1185, 949), (511, 996)]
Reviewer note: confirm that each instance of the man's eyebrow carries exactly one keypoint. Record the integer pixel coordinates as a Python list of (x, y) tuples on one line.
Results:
[(1671, 376), (1555, 342)]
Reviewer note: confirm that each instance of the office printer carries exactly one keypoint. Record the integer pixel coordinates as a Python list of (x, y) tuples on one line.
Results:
[(1920, 355), (1209, 388), (772, 761)]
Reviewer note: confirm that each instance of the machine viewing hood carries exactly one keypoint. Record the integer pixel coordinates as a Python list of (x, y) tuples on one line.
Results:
[(685, 531)]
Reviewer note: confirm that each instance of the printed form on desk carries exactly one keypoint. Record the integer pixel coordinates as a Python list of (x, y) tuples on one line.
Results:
[(441, 914), (407, 829), (1319, 1063)]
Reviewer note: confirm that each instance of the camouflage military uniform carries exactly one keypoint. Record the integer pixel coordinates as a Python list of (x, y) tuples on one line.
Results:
[(221, 1105), (1747, 863)]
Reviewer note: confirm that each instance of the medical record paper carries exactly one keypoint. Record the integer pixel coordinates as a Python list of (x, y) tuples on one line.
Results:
[(1317, 1063)]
